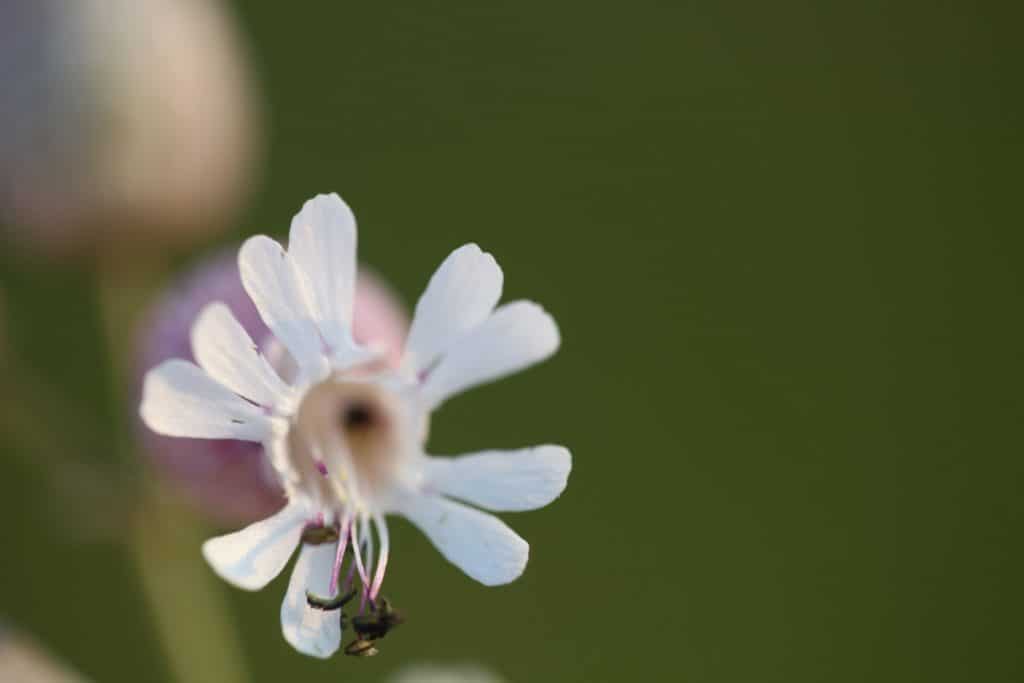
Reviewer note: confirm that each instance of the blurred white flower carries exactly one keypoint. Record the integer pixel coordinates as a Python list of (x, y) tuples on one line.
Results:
[(437, 673), (122, 122), (345, 432)]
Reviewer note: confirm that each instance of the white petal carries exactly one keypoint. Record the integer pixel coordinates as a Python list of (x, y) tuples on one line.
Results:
[(461, 294), (225, 350), (503, 481), (476, 542), (346, 353), (179, 399), (269, 279), (517, 335), (252, 557), (311, 631), (322, 246)]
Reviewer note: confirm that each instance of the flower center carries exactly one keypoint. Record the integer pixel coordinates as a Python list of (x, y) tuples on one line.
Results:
[(358, 417), (349, 431)]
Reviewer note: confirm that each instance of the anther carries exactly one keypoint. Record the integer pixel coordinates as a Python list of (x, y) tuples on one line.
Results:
[(328, 604), (378, 623), (361, 648), (319, 535)]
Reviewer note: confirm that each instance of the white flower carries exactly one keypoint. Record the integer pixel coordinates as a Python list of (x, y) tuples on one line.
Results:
[(345, 432)]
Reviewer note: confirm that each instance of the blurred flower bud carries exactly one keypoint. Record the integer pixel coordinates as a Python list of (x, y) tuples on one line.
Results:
[(127, 122), (231, 480)]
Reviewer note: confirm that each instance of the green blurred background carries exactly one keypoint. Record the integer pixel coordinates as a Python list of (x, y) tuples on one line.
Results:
[(782, 243)]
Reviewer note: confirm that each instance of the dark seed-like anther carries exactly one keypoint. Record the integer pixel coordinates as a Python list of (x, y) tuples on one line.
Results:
[(328, 604), (361, 648), (318, 535), (378, 623)]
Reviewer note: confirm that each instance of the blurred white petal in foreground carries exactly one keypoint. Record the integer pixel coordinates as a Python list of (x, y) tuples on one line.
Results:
[(24, 661), (445, 673)]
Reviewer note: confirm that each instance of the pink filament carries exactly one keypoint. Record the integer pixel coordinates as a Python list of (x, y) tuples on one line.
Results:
[(339, 556), (358, 555), (382, 558)]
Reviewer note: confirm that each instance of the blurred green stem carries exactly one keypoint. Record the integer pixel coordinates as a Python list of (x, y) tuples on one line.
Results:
[(188, 603)]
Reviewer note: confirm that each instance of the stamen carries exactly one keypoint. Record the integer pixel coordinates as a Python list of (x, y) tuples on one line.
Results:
[(358, 556), (367, 545), (318, 532), (361, 648), (350, 576), (328, 604), (367, 534), (339, 556), (382, 560)]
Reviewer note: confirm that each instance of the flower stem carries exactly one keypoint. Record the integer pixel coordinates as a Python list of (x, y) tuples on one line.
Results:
[(188, 605)]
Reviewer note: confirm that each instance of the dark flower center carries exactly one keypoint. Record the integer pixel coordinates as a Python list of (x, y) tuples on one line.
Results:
[(358, 416)]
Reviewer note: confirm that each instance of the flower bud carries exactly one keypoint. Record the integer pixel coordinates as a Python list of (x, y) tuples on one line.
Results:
[(122, 122)]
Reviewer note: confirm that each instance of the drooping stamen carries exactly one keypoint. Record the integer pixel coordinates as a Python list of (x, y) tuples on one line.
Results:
[(367, 546), (367, 540), (357, 554), (339, 556), (382, 560), (351, 574)]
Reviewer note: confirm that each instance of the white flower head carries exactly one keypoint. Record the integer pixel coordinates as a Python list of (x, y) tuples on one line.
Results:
[(345, 432)]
